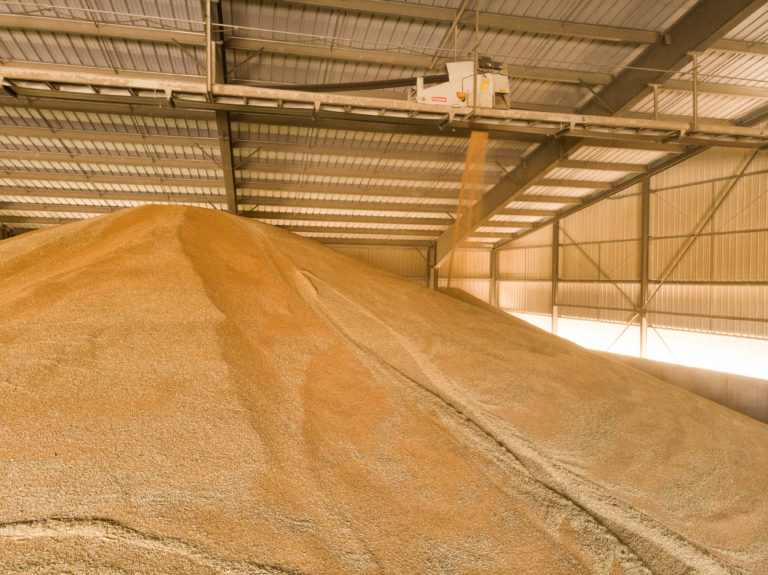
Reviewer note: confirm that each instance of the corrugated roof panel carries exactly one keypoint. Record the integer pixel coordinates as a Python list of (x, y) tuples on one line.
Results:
[(753, 29), (579, 174), (144, 125), (113, 54), (629, 156), (171, 14), (523, 91), (505, 218), (559, 191), (721, 107), (649, 15), (729, 68), (517, 204)]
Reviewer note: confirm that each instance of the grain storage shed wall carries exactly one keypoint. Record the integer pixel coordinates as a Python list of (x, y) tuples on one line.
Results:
[(707, 264), (471, 267)]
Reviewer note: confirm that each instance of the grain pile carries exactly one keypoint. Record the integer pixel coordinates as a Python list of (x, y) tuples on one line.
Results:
[(182, 391)]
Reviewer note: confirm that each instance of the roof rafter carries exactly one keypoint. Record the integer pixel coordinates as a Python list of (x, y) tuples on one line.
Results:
[(707, 21), (97, 178), (106, 159), (396, 205), (488, 20)]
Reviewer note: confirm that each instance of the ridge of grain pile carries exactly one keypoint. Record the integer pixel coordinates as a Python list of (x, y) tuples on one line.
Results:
[(184, 391)]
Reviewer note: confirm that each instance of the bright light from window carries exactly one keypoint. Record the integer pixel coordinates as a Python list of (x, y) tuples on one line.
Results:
[(739, 355)]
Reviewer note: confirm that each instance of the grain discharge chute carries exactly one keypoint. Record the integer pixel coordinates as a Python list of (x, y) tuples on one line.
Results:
[(492, 86)]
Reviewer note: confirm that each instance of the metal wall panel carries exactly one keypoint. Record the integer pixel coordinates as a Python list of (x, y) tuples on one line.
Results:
[(526, 296), (479, 288), (470, 264), (618, 219), (526, 263), (406, 262), (541, 237), (597, 295)]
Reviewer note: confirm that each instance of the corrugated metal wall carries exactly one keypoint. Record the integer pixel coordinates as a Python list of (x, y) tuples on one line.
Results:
[(410, 263), (471, 273), (471, 267), (720, 284), (525, 272)]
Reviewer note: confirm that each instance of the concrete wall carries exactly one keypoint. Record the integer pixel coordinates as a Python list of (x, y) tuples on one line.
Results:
[(744, 394)]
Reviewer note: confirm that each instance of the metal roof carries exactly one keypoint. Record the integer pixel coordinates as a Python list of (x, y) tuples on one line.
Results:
[(114, 103)]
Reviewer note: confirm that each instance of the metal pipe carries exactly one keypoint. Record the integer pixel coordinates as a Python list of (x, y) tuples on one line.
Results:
[(477, 42), (645, 228), (555, 270), (695, 56), (208, 49)]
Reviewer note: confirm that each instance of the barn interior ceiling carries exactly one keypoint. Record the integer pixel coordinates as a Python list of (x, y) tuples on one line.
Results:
[(339, 120)]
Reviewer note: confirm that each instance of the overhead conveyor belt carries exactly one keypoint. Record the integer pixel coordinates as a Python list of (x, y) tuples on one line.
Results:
[(90, 84)]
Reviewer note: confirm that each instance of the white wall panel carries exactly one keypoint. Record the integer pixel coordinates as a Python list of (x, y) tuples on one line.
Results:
[(475, 264), (406, 262), (526, 296), (481, 289), (617, 217), (541, 237), (601, 295), (529, 263)]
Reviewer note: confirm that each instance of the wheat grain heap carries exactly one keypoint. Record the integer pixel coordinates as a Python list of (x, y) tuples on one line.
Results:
[(184, 391)]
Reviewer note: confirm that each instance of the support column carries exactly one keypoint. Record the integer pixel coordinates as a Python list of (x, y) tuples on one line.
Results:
[(432, 271), (217, 74), (493, 294), (645, 228), (555, 269)]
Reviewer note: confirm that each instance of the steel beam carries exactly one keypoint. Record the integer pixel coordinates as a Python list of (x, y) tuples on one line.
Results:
[(403, 220), (740, 46), (252, 200), (714, 88), (645, 235), (7, 219), (374, 242), (555, 277), (653, 169), (509, 224), (523, 212), (110, 179), (64, 208), (217, 62), (487, 20), (104, 134), (704, 24), (494, 235), (493, 296), (368, 173), (151, 197), (26, 99), (391, 115), (105, 159), (569, 183), (604, 166), (100, 29), (344, 148), (332, 230), (339, 53), (227, 163), (448, 194), (539, 199)]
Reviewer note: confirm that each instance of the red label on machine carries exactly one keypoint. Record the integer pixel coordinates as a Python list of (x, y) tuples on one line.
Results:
[(439, 99)]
